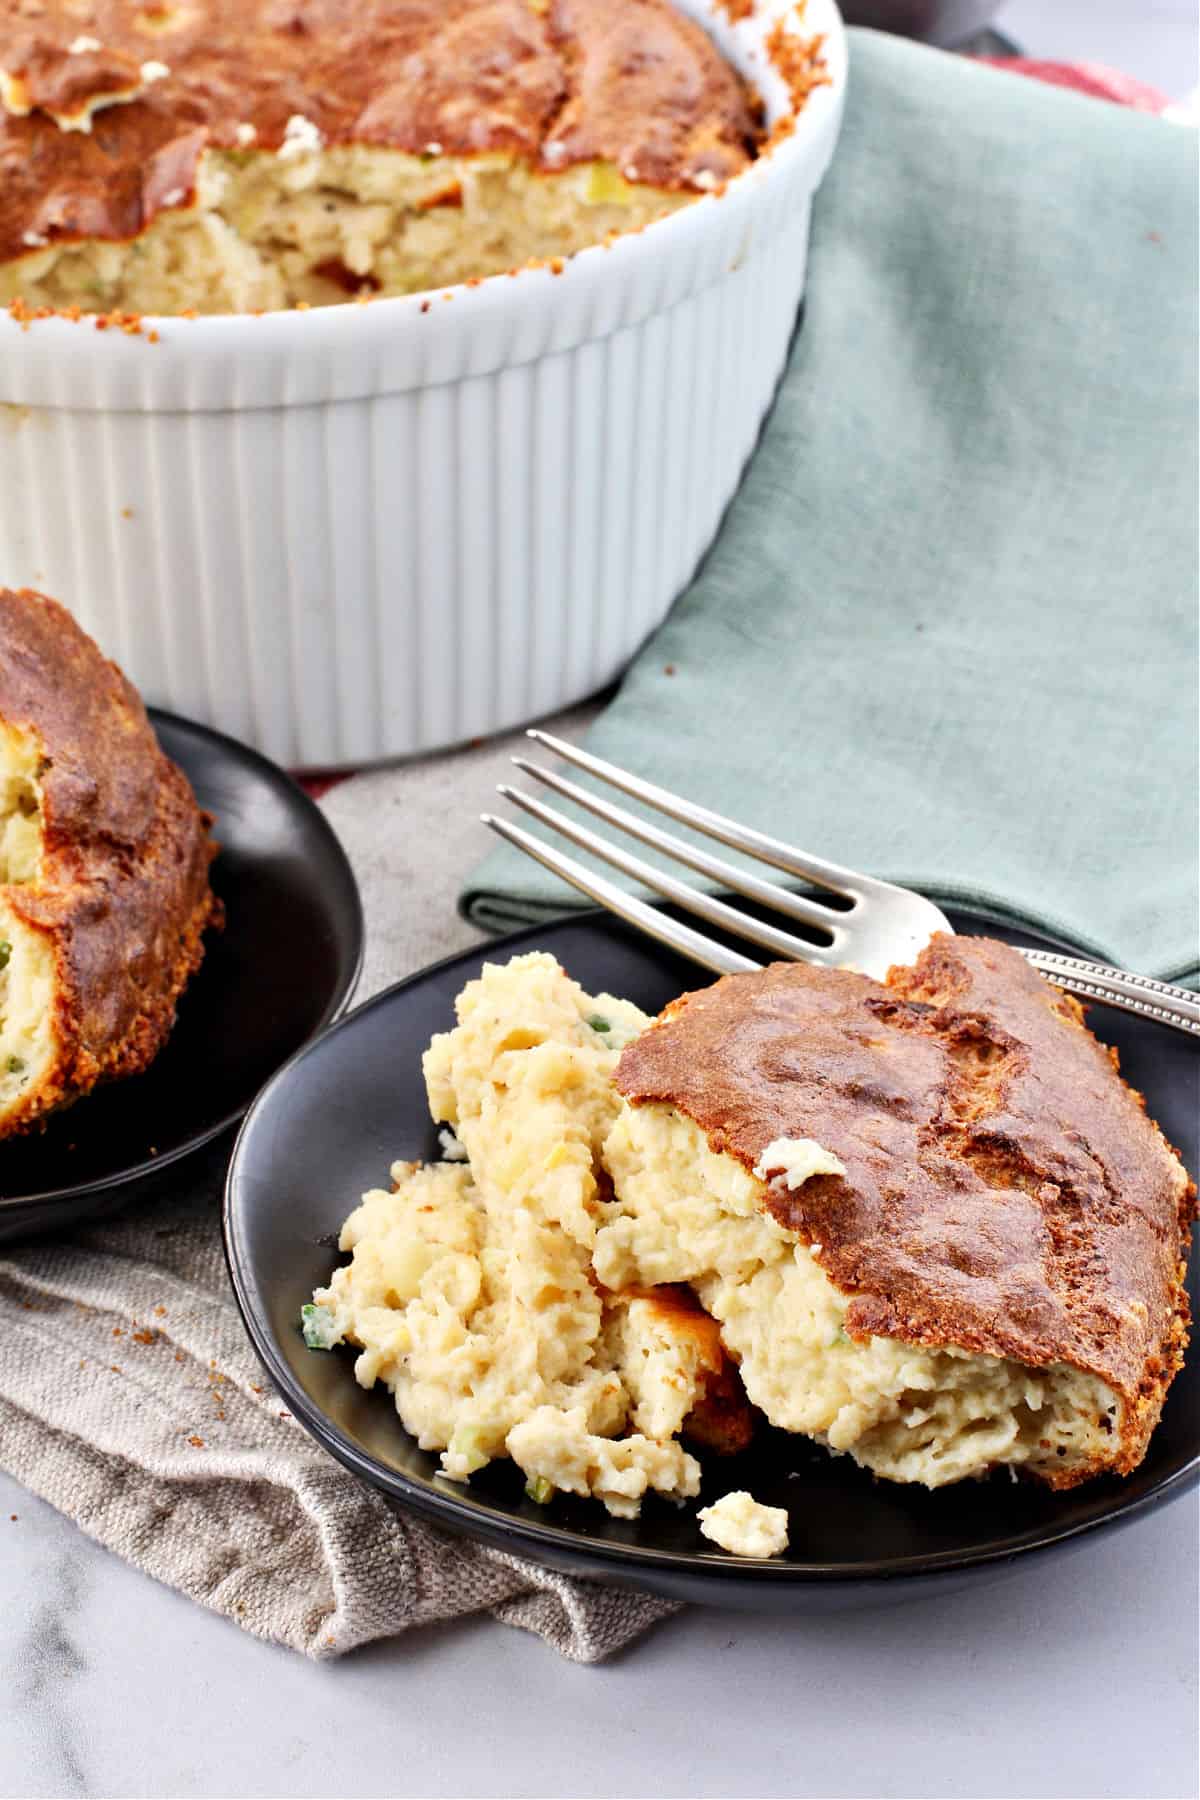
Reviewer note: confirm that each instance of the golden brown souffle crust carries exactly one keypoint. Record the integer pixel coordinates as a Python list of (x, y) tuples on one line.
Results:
[(1005, 1192), (554, 81), (124, 894)]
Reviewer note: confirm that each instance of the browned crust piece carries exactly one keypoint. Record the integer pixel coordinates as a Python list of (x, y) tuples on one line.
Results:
[(722, 1420), (1005, 1192), (124, 895), (556, 81)]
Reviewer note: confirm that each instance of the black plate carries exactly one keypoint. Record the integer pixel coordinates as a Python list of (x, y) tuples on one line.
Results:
[(327, 1128), (283, 967)]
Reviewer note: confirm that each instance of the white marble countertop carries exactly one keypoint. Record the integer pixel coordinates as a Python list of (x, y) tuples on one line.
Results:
[(1076, 1676), (1073, 1678)]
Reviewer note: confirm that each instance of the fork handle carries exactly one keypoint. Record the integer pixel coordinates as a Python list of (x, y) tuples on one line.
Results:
[(1141, 994)]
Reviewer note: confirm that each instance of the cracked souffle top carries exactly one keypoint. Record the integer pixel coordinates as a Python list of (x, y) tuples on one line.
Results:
[(1003, 1191), (120, 114)]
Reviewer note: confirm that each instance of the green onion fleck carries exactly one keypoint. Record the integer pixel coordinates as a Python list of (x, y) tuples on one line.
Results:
[(467, 1445), (319, 1328), (15, 1064), (599, 1024), (539, 1490), (5, 953), (839, 1337)]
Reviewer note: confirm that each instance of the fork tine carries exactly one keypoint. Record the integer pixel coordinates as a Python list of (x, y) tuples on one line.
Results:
[(714, 912), (635, 912), (738, 837), (782, 900)]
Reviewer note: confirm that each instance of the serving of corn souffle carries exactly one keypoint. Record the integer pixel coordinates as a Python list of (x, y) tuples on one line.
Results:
[(922, 1222), (104, 860), (236, 155), (960, 1240)]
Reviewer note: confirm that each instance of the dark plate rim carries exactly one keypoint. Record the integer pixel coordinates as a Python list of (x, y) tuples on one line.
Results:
[(529, 1536), (283, 783)]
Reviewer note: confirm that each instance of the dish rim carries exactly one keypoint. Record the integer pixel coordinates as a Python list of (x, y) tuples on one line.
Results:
[(135, 1173), (444, 1504)]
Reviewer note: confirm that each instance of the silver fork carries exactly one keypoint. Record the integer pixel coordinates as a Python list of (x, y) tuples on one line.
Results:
[(877, 924)]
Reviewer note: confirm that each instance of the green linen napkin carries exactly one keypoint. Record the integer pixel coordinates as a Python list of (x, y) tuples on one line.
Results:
[(947, 633)]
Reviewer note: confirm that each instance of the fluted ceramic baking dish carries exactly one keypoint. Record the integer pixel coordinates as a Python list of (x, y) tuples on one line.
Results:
[(362, 531)]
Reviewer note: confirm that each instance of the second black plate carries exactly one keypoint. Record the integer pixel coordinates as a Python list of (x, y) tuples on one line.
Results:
[(283, 967)]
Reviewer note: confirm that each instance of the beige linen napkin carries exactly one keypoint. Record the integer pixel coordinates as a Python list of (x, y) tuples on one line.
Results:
[(130, 1398)]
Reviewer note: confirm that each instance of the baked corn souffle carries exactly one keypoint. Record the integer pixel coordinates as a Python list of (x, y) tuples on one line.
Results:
[(924, 1223), (104, 864), (937, 1229), (223, 156)]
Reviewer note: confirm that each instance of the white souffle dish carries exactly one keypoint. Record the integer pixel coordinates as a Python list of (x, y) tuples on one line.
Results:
[(357, 532)]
